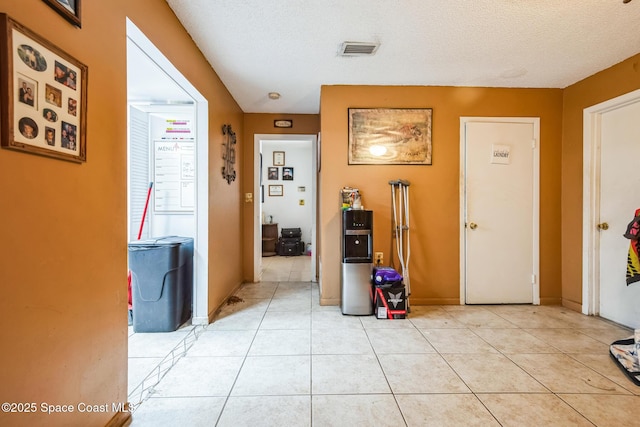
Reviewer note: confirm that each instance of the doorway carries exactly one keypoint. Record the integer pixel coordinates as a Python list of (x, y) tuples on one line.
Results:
[(153, 80), (611, 194), (304, 193), (499, 215)]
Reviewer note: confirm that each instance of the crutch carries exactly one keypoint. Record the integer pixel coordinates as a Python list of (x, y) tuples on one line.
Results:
[(400, 229)]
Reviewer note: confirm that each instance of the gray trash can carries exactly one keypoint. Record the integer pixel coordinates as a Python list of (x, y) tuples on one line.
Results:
[(161, 282)]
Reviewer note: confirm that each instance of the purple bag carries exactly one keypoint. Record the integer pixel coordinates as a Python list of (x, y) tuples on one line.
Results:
[(386, 276)]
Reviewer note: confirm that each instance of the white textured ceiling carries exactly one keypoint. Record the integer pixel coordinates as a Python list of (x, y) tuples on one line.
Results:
[(291, 46)]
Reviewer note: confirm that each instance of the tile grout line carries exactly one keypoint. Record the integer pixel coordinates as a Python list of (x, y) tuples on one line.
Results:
[(395, 399), (244, 359), (311, 356), (158, 372)]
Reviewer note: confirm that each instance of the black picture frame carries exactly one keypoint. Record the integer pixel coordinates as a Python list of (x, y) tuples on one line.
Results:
[(68, 9), (273, 173), (287, 174)]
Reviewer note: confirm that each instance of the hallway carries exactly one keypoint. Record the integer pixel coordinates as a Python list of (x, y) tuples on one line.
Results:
[(279, 358)]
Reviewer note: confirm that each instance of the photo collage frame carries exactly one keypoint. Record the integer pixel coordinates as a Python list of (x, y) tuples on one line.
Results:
[(44, 97)]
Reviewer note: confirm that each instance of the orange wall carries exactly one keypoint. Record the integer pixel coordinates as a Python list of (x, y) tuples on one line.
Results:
[(434, 190), (610, 83), (63, 225), (254, 123)]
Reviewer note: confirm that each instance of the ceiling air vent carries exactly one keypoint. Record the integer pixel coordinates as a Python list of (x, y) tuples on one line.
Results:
[(358, 48)]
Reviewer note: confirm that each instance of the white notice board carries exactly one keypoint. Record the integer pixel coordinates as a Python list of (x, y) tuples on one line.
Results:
[(174, 176)]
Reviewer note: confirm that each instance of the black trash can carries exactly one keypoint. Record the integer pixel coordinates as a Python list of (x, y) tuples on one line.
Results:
[(161, 282)]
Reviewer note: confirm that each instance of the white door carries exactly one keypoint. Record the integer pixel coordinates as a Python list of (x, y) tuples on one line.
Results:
[(499, 248), (619, 198)]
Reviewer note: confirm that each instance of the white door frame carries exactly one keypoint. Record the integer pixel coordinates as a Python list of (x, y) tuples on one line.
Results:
[(592, 135), (200, 314), (535, 121), (257, 220)]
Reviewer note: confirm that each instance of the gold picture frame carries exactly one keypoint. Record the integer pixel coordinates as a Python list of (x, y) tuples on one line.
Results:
[(276, 190), (43, 95), (278, 158), (390, 136)]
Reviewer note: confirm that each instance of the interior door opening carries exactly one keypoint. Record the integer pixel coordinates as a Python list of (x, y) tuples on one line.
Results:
[(285, 185), (152, 80)]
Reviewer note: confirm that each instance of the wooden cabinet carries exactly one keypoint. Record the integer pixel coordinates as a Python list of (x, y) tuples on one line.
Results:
[(269, 239)]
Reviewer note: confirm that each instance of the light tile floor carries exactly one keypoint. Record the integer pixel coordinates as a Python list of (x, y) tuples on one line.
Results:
[(280, 359)]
